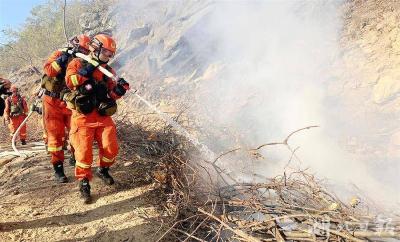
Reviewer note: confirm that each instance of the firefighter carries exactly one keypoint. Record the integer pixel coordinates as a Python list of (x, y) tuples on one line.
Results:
[(15, 112), (4, 90), (93, 101), (56, 115)]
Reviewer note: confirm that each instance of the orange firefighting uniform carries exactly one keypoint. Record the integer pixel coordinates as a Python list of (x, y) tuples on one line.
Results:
[(56, 115), (15, 121), (87, 128)]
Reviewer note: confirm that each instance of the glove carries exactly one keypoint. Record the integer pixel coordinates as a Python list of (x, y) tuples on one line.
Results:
[(88, 87), (121, 81), (32, 107), (121, 87), (62, 60), (35, 108), (87, 69), (119, 90)]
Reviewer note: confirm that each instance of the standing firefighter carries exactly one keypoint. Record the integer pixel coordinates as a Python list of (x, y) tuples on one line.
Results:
[(94, 102), (56, 115), (15, 113), (4, 90)]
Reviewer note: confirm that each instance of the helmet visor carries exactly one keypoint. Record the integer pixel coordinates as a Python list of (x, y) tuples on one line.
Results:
[(107, 53)]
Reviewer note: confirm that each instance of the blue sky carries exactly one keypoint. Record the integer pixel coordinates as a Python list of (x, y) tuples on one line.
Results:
[(14, 12)]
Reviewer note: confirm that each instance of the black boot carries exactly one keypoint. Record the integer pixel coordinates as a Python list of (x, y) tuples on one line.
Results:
[(23, 142), (72, 160), (102, 172), (84, 188), (59, 173)]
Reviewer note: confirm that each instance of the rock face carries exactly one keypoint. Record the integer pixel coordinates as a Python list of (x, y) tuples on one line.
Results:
[(153, 38), (370, 77), (157, 55), (99, 18), (371, 39), (25, 78), (386, 88)]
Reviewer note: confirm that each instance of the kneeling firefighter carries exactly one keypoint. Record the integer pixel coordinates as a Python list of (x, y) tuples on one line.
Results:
[(93, 99), (15, 112), (56, 115)]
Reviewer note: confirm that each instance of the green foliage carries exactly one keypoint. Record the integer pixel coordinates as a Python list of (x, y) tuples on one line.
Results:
[(41, 34)]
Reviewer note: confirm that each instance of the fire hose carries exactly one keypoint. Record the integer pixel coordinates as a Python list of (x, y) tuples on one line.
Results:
[(95, 63), (203, 148), (102, 69), (31, 111), (210, 155), (80, 55)]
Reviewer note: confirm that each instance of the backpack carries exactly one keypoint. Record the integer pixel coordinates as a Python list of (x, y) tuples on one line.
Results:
[(55, 84), (16, 109)]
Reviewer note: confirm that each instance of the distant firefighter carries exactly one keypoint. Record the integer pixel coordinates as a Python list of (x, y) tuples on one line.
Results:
[(15, 112)]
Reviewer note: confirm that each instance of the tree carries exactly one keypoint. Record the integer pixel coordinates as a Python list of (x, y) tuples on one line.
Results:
[(42, 33)]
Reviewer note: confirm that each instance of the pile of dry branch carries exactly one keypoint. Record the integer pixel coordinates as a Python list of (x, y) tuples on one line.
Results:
[(207, 204)]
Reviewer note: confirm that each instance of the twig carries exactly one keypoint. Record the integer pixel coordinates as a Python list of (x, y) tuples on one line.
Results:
[(235, 231)]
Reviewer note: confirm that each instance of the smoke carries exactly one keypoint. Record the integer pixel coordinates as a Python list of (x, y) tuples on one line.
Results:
[(264, 70), (278, 58)]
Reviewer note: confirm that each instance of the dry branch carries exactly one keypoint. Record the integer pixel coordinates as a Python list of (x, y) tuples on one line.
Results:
[(291, 207)]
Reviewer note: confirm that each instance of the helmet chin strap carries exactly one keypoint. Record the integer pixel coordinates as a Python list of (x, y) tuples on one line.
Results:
[(97, 57), (97, 51)]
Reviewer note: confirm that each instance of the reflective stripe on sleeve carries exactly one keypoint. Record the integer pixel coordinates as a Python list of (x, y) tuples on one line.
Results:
[(55, 66), (74, 80)]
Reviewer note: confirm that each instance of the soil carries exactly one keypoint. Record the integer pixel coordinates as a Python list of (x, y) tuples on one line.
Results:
[(34, 207)]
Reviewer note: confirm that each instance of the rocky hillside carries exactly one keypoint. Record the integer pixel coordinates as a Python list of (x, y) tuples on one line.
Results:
[(368, 77), (371, 41), (157, 39), (162, 41), (165, 52), (170, 58)]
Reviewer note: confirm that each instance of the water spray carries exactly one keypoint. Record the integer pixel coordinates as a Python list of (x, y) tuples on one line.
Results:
[(207, 153)]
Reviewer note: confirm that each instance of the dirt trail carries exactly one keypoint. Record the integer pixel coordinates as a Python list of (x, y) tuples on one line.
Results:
[(33, 207)]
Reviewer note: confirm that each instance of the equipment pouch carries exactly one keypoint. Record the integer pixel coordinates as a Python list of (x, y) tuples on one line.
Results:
[(107, 108), (52, 84), (69, 98), (84, 103)]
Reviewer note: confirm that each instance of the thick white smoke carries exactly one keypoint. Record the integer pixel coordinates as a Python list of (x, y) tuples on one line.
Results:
[(266, 68), (278, 58)]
